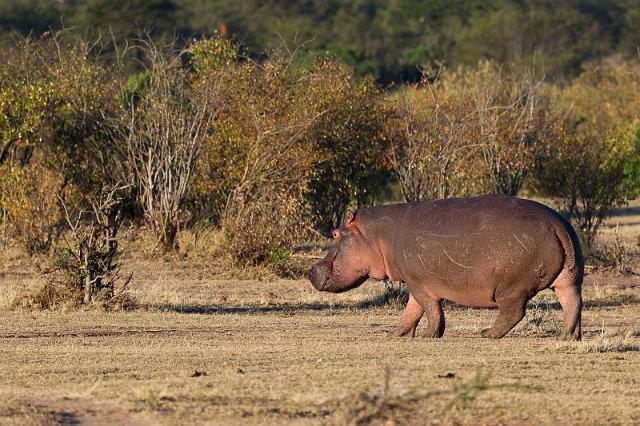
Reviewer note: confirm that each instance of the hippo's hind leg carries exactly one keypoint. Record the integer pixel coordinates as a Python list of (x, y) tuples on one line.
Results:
[(568, 289), (511, 310), (409, 319)]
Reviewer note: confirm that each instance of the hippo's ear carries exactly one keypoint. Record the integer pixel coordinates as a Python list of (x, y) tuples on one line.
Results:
[(349, 217)]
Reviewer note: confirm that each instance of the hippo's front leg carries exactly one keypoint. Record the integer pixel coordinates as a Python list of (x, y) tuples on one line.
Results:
[(435, 315), (409, 319)]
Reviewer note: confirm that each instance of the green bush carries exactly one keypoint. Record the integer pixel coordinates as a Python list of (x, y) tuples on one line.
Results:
[(592, 167), (585, 173), (347, 142), (258, 155), (54, 97)]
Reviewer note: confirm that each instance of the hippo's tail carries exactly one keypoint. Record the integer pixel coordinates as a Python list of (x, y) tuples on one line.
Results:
[(568, 284), (574, 259)]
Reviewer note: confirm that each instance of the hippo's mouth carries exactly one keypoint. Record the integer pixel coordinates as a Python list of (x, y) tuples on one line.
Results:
[(334, 286), (324, 280)]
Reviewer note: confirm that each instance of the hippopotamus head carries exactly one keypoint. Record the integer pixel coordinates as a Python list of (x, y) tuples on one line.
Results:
[(352, 259)]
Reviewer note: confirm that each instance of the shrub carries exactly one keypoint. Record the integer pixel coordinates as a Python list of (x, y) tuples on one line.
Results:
[(85, 267), (30, 206), (511, 117), (593, 166), (163, 134), (258, 154), (54, 96), (432, 144), (26, 100), (347, 142), (616, 255), (587, 186)]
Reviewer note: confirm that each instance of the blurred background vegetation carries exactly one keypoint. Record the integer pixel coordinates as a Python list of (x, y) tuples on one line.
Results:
[(387, 39)]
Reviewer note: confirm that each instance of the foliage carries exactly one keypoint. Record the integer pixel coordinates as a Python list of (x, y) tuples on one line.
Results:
[(601, 124), (347, 142), (269, 148), (297, 140), (589, 185), (30, 207), (85, 268), (26, 100), (432, 143), (512, 118), (163, 136), (258, 155), (210, 55), (386, 39), (54, 96)]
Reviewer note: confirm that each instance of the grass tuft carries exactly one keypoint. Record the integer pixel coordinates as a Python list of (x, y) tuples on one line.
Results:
[(625, 340)]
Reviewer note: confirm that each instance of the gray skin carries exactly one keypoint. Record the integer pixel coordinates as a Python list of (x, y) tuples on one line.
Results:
[(492, 251)]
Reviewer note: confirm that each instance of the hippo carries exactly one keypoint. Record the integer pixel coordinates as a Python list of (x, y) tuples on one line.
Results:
[(490, 251)]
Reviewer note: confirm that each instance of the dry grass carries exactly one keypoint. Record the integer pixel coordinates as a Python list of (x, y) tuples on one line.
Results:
[(272, 351), (280, 352)]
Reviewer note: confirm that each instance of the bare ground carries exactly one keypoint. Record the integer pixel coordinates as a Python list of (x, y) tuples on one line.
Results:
[(213, 348)]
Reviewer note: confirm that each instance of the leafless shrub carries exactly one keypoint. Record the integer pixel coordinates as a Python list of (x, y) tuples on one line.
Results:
[(616, 255), (164, 133), (85, 268), (432, 144), (513, 121)]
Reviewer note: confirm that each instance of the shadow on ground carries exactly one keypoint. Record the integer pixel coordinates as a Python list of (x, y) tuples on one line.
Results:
[(378, 301), (286, 308), (619, 300)]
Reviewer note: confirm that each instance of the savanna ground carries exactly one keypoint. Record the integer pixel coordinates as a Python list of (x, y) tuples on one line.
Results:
[(213, 346)]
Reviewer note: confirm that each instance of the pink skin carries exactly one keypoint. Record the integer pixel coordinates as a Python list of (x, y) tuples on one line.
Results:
[(352, 260), (486, 252)]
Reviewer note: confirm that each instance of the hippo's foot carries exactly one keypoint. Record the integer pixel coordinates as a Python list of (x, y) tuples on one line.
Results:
[(401, 331), (510, 313), (571, 301), (434, 332), (490, 333), (435, 317), (571, 335)]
